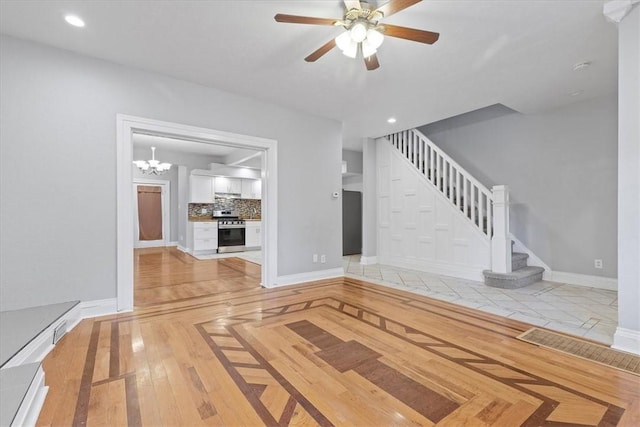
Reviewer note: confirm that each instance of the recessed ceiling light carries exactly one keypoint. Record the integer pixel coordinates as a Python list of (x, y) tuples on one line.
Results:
[(581, 66), (391, 120), (74, 20)]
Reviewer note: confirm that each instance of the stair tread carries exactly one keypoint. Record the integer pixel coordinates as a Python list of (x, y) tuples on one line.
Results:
[(514, 275), (519, 255)]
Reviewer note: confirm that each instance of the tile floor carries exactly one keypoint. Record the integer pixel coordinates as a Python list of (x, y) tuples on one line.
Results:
[(577, 310)]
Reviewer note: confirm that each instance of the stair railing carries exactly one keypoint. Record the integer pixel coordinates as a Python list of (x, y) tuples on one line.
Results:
[(465, 192)]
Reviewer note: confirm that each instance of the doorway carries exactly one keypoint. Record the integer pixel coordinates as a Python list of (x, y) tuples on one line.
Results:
[(151, 213), (126, 127)]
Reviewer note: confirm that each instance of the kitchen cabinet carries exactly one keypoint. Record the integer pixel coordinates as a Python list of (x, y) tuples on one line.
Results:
[(205, 236), (224, 184), (253, 234), (201, 189), (251, 188)]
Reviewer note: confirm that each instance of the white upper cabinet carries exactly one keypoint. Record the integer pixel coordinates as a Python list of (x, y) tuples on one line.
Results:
[(225, 184), (257, 189), (201, 189), (251, 188)]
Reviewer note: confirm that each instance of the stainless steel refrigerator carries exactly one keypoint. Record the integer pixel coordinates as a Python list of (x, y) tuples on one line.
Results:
[(351, 222)]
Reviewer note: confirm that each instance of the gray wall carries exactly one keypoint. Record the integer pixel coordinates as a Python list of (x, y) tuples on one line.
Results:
[(561, 167), (354, 166), (58, 168), (354, 160)]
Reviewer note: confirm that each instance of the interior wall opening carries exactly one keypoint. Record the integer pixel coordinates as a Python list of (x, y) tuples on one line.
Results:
[(192, 152)]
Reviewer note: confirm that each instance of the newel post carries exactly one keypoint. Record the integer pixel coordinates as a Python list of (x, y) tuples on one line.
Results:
[(501, 240)]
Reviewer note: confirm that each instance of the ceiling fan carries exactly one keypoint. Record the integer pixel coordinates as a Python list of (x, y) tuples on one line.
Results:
[(364, 32)]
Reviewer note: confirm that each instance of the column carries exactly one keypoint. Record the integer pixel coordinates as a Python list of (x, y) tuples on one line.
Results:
[(369, 203), (627, 14), (501, 240)]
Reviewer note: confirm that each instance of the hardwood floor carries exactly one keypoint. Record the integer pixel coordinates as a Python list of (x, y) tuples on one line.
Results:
[(207, 346)]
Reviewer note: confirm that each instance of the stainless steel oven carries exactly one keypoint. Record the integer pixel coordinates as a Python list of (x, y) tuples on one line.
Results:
[(231, 231)]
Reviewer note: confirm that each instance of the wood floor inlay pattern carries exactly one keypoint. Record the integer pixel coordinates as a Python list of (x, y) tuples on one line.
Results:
[(334, 352)]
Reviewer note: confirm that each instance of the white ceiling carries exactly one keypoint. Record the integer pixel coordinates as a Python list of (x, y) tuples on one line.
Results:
[(518, 53), (225, 154)]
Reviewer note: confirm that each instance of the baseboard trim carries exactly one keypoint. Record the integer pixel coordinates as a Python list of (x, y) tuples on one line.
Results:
[(311, 276), (102, 307), (626, 340), (368, 260), (444, 269), (598, 282), (183, 249)]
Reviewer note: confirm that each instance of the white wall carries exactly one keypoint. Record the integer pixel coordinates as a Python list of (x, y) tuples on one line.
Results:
[(561, 168), (627, 336), (419, 228), (58, 164), (369, 202)]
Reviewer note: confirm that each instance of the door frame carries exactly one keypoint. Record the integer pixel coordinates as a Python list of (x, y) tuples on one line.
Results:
[(125, 127), (166, 213)]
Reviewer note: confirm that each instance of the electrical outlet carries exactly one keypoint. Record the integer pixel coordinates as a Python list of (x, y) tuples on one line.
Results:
[(323, 259), (203, 211), (315, 258), (597, 263)]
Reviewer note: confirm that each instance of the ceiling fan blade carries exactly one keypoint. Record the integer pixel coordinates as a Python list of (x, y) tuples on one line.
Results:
[(294, 19), (421, 36), (321, 51), (371, 62), (352, 4), (395, 6)]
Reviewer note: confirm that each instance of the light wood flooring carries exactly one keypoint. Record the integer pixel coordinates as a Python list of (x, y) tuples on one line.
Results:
[(207, 346)]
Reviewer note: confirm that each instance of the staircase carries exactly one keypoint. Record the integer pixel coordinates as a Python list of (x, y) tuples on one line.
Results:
[(521, 274), (456, 184), (487, 210)]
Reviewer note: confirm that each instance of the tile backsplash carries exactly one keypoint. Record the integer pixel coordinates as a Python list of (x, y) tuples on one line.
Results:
[(247, 208)]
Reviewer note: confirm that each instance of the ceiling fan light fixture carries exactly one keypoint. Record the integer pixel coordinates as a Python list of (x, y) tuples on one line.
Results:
[(367, 48), (343, 40), (375, 38), (358, 32), (351, 50)]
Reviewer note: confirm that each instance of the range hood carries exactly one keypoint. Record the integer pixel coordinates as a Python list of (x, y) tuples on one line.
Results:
[(228, 195)]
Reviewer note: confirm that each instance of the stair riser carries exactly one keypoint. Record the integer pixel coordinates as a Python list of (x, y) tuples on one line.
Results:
[(513, 284), (517, 264)]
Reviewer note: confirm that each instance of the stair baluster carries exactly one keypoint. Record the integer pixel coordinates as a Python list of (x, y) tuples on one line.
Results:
[(457, 185)]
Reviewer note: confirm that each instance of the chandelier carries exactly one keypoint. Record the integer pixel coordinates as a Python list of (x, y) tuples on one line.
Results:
[(153, 166)]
